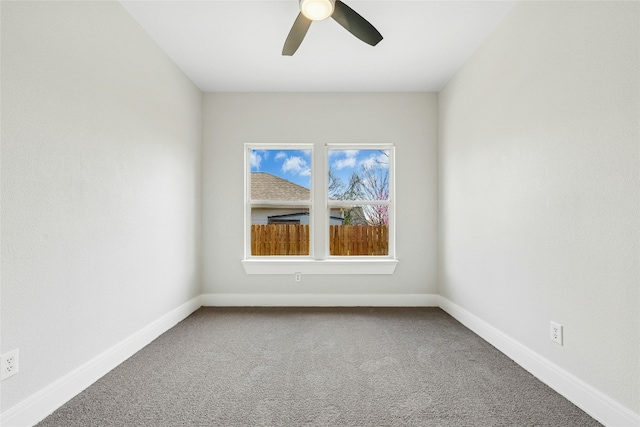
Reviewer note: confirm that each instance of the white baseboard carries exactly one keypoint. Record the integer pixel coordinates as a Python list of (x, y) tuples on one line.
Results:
[(319, 300), (37, 407), (593, 402)]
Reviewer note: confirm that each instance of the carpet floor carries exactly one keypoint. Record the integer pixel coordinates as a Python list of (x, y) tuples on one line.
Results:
[(318, 367)]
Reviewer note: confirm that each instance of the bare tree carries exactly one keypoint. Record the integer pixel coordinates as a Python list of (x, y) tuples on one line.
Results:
[(370, 182), (336, 186), (374, 185)]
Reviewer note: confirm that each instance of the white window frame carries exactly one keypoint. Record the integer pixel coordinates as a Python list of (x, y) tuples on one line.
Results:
[(347, 203), (318, 262), (250, 203)]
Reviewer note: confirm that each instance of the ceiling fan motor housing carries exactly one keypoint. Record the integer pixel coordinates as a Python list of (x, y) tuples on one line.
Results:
[(317, 10)]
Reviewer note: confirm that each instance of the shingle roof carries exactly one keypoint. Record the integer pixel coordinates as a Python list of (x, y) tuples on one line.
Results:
[(265, 186)]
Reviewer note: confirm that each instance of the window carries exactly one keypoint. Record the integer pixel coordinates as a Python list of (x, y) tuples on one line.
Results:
[(279, 200), (358, 189), (332, 214)]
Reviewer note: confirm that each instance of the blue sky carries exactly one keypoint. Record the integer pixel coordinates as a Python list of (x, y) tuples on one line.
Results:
[(292, 165), (295, 165)]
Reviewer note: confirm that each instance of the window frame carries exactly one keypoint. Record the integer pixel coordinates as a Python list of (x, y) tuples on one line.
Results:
[(250, 203), (318, 262), (390, 202)]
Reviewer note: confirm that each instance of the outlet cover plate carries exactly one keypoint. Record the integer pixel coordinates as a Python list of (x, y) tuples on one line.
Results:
[(9, 364), (556, 333)]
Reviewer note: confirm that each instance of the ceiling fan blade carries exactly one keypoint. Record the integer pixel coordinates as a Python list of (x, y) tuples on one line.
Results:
[(355, 24), (296, 35)]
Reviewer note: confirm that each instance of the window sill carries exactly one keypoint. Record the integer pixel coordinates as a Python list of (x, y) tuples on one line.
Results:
[(328, 266)]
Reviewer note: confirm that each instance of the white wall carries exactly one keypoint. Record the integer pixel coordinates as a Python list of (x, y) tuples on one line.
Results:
[(539, 187), (232, 119), (101, 138)]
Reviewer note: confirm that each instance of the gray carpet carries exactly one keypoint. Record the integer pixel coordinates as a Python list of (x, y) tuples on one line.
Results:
[(318, 367)]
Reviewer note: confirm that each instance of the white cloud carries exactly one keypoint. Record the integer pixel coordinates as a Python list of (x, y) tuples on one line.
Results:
[(375, 160), (349, 160), (255, 160), (297, 166), (345, 153), (281, 155)]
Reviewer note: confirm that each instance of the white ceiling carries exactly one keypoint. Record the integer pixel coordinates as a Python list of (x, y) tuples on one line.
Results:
[(236, 45)]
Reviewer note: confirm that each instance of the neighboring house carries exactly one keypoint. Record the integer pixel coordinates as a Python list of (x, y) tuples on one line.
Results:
[(268, 187)]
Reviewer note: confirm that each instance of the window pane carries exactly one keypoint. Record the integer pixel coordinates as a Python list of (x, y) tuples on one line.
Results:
[(359, 174), (280, 175), (279, 231), (352, 234)]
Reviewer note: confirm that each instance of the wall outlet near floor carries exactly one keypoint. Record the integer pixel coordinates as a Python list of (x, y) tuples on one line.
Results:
[(297, 277), (556, 332), (8, 364)]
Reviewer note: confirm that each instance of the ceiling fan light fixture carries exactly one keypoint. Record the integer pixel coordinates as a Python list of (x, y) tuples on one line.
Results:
[(317, 10)]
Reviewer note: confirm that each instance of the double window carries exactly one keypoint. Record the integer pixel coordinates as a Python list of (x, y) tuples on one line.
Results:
[(335, 207)]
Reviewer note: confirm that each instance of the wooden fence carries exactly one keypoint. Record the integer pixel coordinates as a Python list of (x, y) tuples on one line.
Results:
[(344, 240), (356, 240), (279, 239)]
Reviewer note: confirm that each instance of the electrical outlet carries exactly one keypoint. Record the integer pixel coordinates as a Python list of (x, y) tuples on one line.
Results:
[(556, 332), (8, 364), (297, 277)]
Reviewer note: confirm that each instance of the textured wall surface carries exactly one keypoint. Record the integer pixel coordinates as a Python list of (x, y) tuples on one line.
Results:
[(408, 120), (100, 186), (539, 202)]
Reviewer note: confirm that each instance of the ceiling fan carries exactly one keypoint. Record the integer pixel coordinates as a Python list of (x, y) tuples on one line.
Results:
[(317, 10)]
